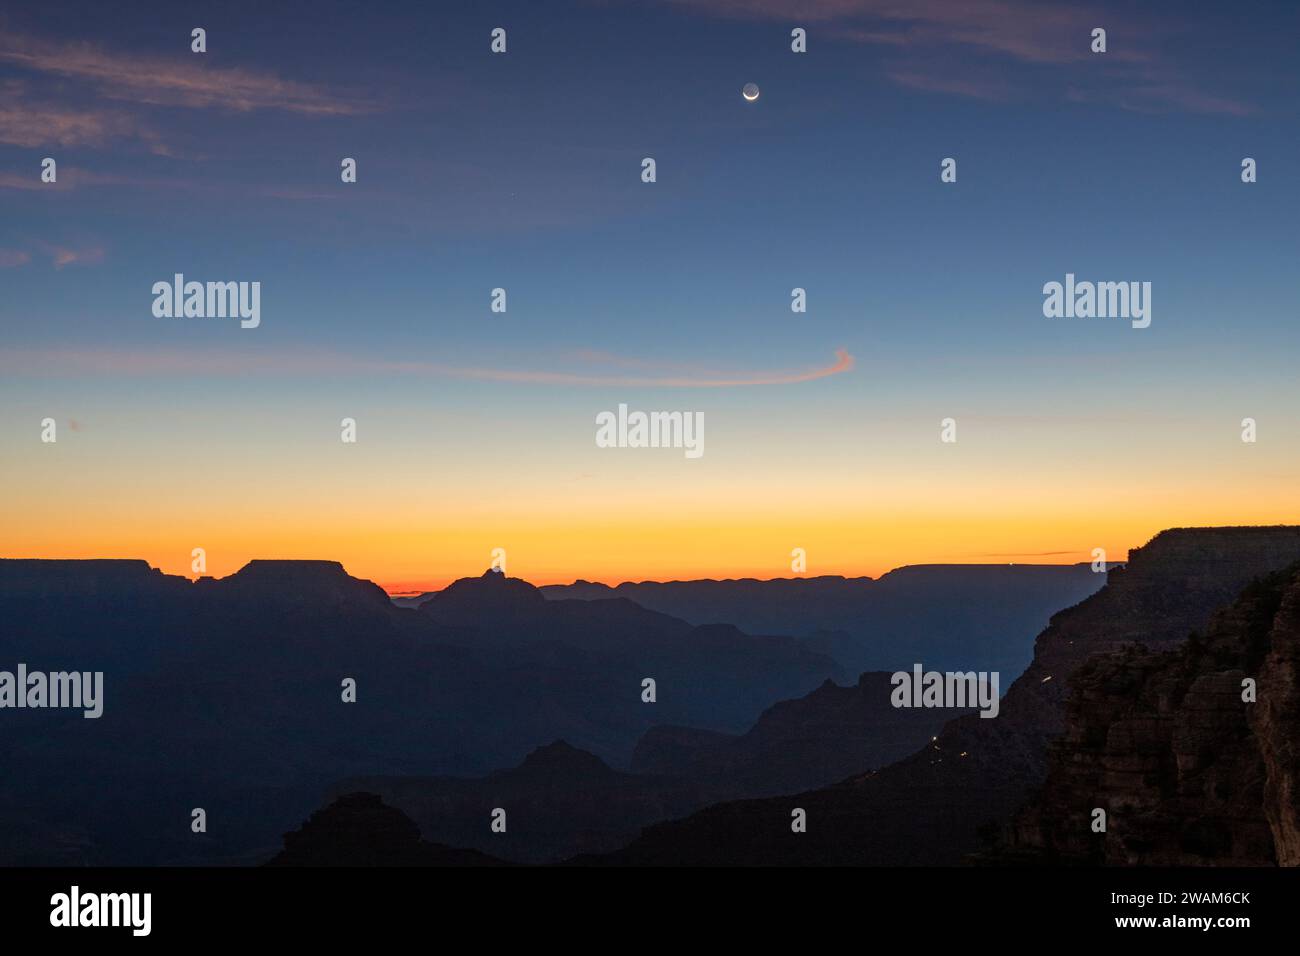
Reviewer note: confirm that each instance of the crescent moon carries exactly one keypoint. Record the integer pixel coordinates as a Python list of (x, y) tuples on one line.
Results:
[(750, 92)]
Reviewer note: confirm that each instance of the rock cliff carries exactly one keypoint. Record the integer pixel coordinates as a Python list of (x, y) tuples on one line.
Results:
[(1187, 770)]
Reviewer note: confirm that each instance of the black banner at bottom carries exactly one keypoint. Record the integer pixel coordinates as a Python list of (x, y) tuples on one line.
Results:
[(330, 905)]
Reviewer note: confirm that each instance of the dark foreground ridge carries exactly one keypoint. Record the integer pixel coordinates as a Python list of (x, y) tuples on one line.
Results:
[(1186, 770), (932, 807)]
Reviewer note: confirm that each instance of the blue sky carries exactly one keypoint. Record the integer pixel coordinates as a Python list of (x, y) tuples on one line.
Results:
[(522, 171)]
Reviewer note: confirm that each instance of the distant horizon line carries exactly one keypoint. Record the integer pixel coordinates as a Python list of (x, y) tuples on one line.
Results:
[(408, 588), (392, 589)]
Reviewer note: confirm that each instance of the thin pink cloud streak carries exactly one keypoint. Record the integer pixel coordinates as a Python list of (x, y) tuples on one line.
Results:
[(174, 81), (233, 363), (66, 255)]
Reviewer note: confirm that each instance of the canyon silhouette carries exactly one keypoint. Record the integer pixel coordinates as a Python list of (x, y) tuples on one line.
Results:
[(231, 695)]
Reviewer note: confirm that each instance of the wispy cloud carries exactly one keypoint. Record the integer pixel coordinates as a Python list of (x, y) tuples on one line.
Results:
[(1160, 95), (169, 81), (59, 255), (29, 122), (14, 181), (974, 88), (75, 178), (232, 363), (1035, 33), (296, 195), (39, 109), (62, 255), (72, 177)]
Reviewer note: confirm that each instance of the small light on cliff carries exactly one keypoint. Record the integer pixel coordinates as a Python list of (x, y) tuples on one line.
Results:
[(962, 754), (1045, 679)]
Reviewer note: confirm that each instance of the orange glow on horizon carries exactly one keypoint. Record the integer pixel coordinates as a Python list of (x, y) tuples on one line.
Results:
[(412, 521), (409, 586)]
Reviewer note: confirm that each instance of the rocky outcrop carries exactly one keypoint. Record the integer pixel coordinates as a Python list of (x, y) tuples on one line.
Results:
[(1187, 769), (1168, 589), (123, 580), (561, 801), (325, 584), (1275, 721), (359, 829), (492, 600)]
